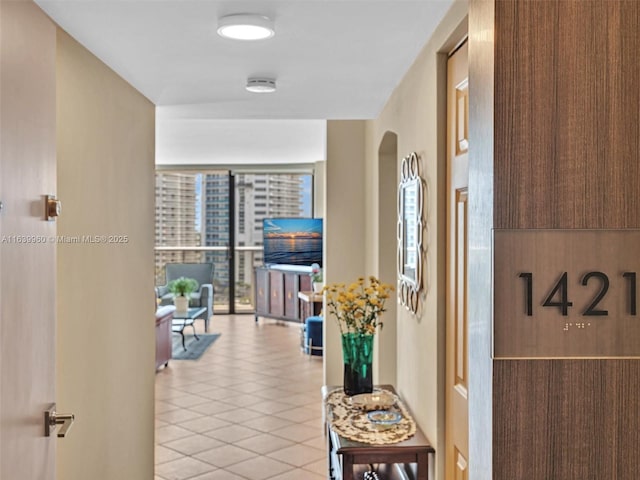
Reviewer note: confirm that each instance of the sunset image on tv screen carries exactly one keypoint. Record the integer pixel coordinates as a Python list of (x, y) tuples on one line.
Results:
[(292, 241)]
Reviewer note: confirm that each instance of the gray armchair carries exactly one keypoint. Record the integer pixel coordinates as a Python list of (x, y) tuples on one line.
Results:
[(201, 273)]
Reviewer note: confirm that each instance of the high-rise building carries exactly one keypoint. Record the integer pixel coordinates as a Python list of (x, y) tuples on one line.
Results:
[(215, 226), (261, 196), (257, 196), (176, 199)]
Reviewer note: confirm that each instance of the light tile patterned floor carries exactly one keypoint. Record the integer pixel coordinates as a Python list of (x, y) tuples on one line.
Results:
[(249, 409)]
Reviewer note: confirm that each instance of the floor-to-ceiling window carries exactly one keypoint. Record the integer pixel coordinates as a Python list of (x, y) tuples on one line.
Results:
[(217, 217)]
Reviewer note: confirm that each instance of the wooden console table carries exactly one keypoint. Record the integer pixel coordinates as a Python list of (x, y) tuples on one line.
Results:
[(343, 454)]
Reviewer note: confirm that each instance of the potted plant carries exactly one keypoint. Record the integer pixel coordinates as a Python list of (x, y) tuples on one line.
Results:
[(182, 288), (316, 278)]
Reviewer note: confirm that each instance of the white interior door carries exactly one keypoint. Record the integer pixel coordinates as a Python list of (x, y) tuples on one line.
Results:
[(27, 252)]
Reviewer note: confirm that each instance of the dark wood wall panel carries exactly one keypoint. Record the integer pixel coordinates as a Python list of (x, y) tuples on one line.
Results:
[(566, 155), (562, 420), (567, 129)]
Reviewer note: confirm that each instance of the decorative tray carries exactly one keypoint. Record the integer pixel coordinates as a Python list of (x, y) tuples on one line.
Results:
[(378, 400)]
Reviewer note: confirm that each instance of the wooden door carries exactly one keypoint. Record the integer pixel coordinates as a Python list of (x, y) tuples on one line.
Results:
[(457, 363), (27, 249)]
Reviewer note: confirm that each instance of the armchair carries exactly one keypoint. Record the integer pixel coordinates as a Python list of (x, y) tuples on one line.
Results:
[(201, 273)]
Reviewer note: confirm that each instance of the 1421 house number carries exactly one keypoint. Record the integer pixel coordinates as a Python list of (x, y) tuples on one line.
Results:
[(558, 295), (566, 293)]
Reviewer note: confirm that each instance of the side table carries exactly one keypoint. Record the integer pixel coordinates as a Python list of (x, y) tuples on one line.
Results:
[(181, 320), (343, 453), (310, 304)]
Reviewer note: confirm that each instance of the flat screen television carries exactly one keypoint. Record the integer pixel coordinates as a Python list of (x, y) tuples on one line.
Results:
[(292, 241)]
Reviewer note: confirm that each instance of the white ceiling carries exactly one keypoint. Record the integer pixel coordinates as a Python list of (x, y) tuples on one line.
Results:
[(331, 58)]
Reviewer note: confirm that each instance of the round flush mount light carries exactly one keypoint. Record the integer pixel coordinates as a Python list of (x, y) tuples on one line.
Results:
[(245, 26), (261, 85)]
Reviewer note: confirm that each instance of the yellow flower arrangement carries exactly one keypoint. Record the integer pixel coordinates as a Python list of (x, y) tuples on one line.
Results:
[(357, 307)]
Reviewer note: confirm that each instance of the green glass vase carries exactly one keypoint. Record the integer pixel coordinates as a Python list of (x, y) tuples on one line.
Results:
[(357, 354)]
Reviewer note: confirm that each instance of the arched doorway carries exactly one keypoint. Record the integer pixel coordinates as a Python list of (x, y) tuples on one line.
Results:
[(387, 251)]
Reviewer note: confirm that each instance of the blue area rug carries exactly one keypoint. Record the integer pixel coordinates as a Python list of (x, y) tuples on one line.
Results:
[(195, 348)]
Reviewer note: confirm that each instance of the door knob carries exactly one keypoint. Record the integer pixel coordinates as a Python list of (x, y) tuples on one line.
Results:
[(52, 419)]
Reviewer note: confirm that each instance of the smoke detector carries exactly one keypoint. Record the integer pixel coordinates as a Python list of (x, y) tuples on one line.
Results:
[(261, 85)]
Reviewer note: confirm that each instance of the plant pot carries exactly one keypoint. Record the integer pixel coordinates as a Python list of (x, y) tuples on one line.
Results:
[(357, 354), (317, 287), (181, 303)]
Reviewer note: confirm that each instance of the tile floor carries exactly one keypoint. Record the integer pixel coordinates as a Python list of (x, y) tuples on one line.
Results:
[(249, 408)]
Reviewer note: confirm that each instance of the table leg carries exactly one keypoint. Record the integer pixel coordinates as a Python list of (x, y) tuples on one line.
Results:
[(423, 466), (193, 325), (347, 467), (330, 451), (183, 345)]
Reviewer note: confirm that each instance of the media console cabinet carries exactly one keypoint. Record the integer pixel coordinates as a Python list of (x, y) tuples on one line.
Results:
[(277, 293)]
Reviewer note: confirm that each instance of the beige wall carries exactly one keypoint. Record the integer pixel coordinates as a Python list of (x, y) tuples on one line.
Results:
[(415, 112), (319, 188), (344, 226), (106, 339)]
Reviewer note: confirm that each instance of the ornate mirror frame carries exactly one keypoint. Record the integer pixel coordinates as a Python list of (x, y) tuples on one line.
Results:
[(410, 229)]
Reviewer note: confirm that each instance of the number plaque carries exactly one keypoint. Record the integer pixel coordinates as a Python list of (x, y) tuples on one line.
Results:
[(566, 294)]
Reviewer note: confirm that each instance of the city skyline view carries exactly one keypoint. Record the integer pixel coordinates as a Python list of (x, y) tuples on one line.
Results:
[(193, 210)]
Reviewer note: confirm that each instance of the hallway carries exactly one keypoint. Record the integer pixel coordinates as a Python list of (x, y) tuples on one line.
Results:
[(249, 408)]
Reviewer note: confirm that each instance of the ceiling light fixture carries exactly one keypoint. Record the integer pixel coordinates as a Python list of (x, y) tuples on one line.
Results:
[(261, 85), (245, 26)]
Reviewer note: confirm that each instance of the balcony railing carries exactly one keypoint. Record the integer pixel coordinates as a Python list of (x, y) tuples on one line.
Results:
[(246, 258)]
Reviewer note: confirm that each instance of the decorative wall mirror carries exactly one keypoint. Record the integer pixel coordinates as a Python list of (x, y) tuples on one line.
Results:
[(410, 228)]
